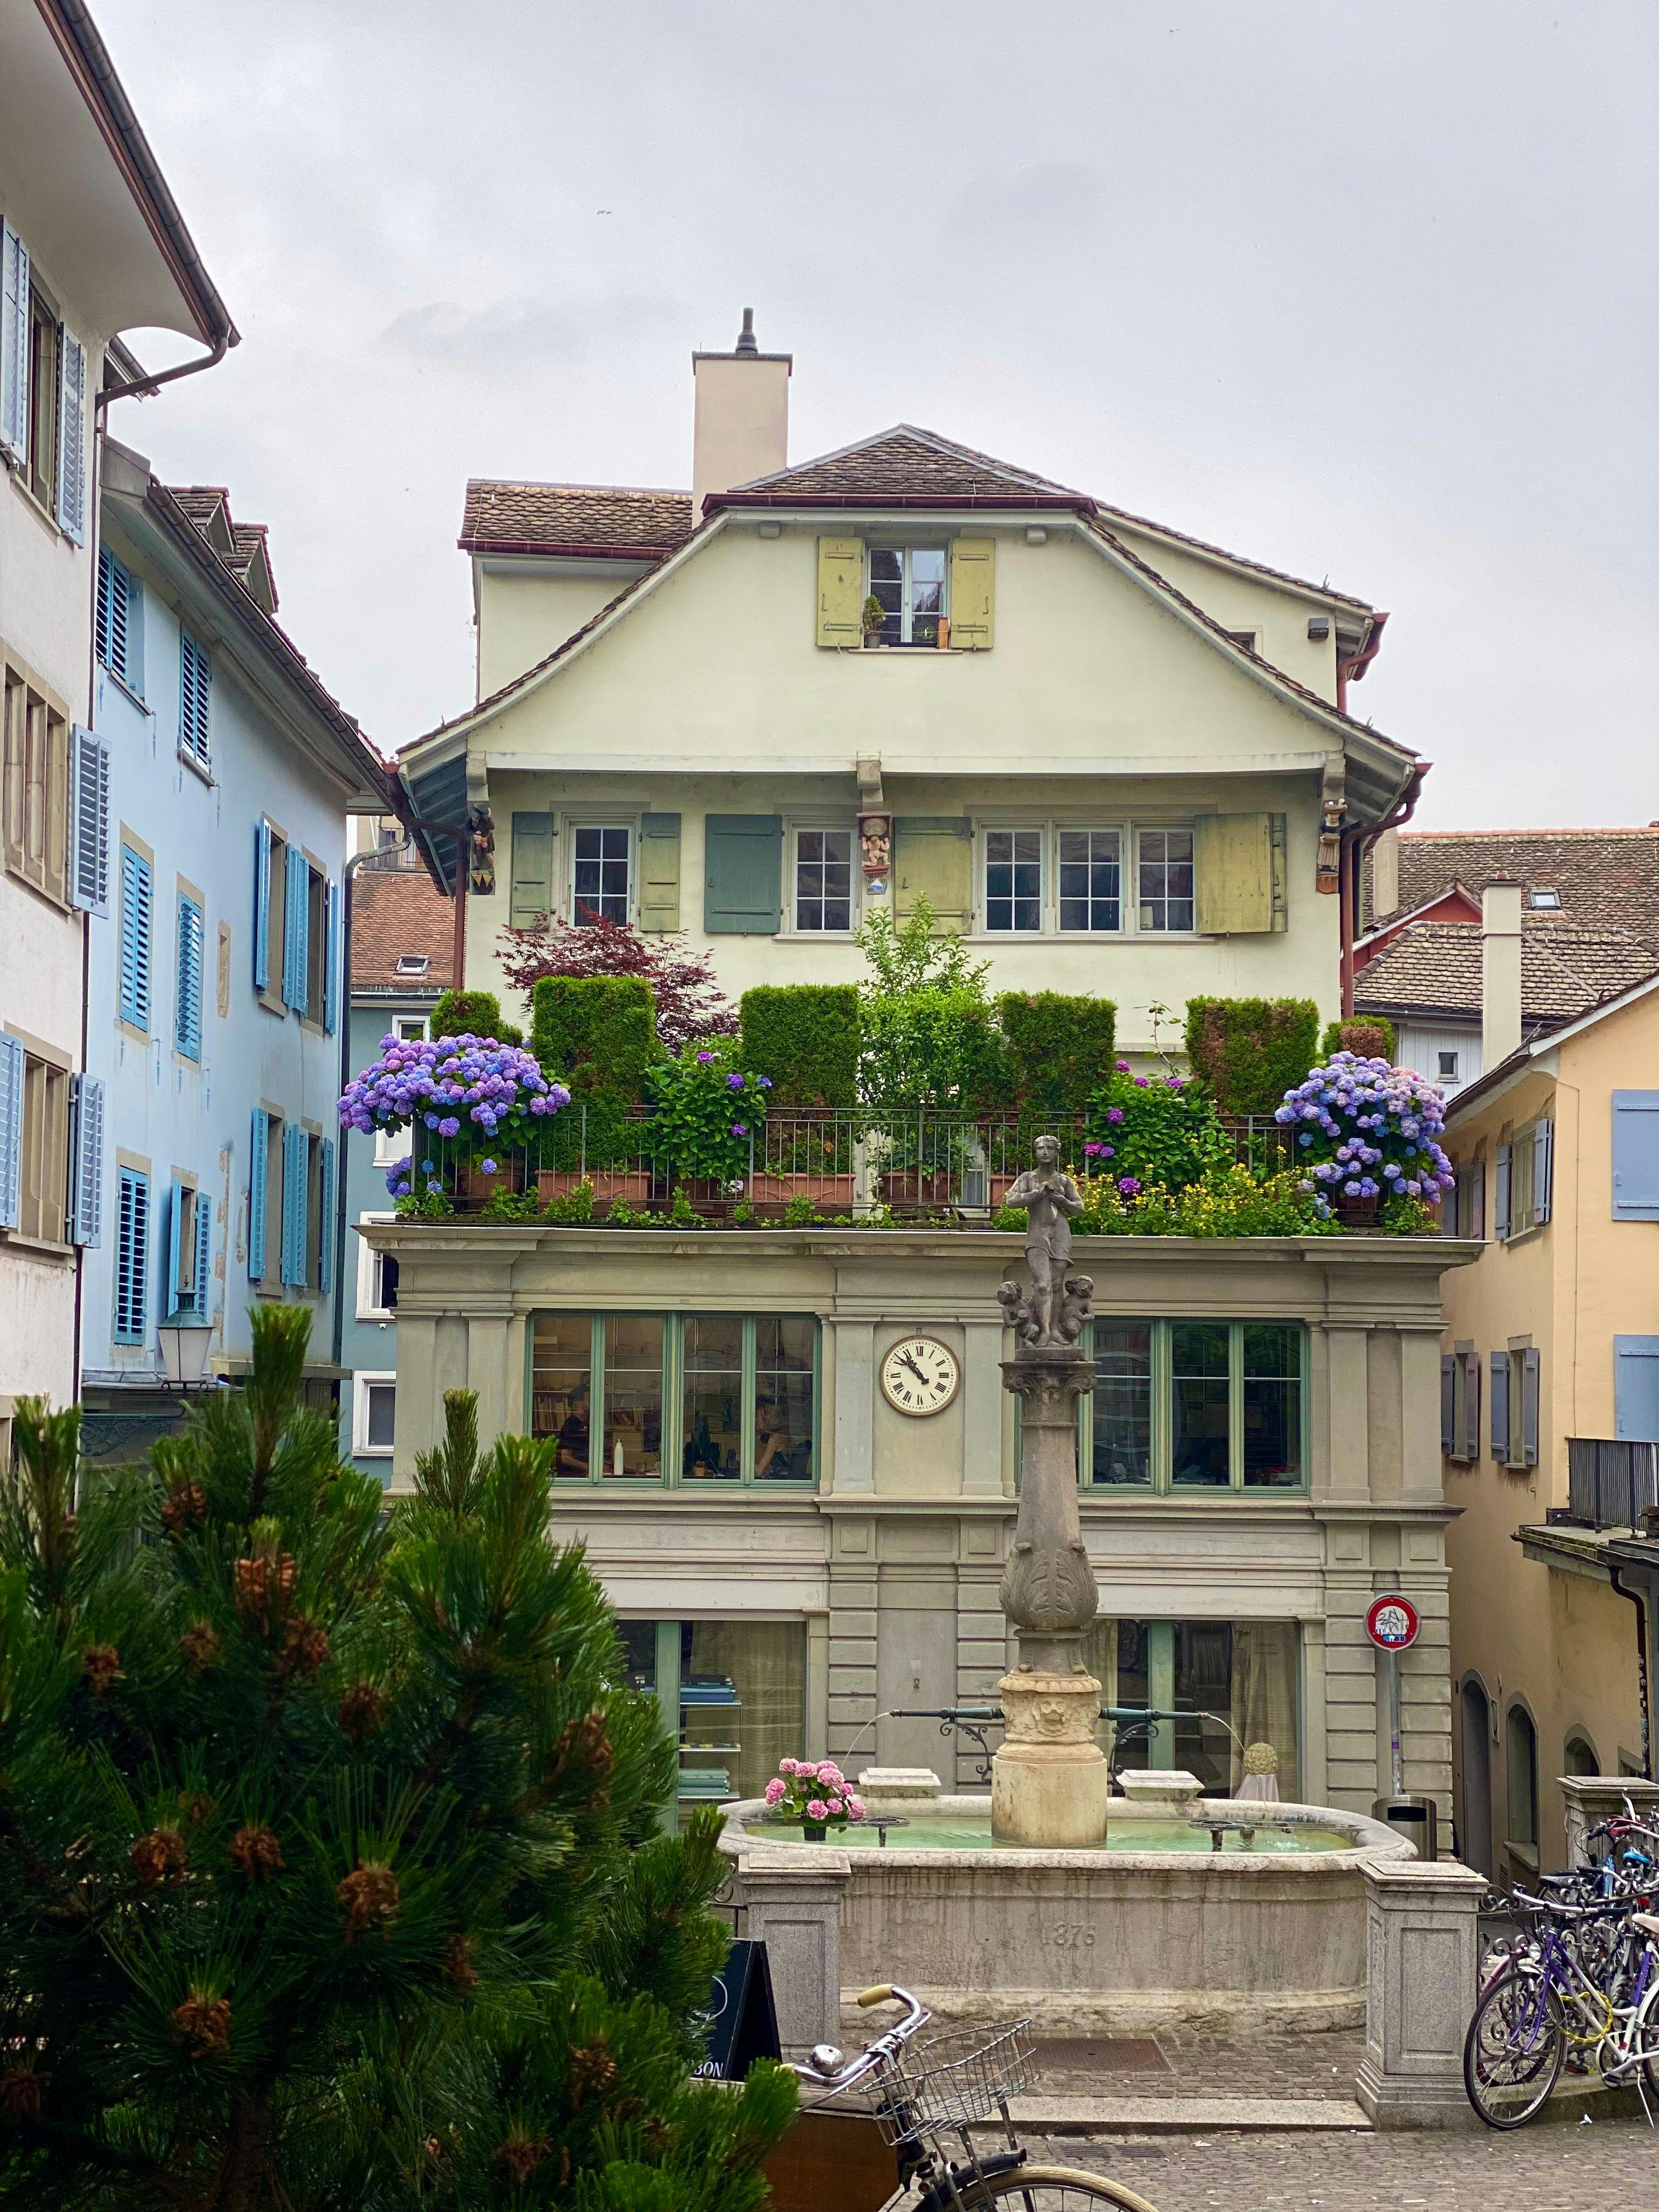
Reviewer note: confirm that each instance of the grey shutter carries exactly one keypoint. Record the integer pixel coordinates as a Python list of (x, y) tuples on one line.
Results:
[(256, 1195), (1530, 1363), (742, 865), (1448, 1404), (1500, 1406), (1472, 1407), (531, 903), (1501, 1207), (1635, 1388), (89, 820), (1543, 1170), (1479, 1172), (14, 343), (1636, 1154), (325, 1207), (11, 1131), (87, 1195), (72, 439), (262, 906)]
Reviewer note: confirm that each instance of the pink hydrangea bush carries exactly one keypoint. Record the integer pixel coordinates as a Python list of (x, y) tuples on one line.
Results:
[(815, 1790), (475, 1088)]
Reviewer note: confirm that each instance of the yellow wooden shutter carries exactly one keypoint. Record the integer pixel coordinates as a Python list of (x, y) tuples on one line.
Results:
[(659, 871), (933, 859), (973, 592), (1233, 874), (841, 591)]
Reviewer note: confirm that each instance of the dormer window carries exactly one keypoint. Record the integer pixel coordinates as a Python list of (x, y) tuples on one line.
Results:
[(413, 964), (908, 582), (1544, 898)]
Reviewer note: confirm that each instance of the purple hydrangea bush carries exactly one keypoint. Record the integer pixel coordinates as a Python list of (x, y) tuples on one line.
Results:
[(1365, 1129), (473, 1090)]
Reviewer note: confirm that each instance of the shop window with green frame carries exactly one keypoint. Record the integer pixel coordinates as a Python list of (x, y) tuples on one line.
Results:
[(1229, 1683), (1182, 1406), (677, 1399), (732, 1692)]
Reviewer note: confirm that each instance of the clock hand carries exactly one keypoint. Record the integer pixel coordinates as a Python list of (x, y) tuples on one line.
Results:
[(905, 1360)]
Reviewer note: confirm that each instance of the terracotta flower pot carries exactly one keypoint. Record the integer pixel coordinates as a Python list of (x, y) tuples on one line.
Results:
[(909, 1188)]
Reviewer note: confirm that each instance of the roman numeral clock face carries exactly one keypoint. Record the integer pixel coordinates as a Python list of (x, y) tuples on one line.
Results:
[(919, 1375)]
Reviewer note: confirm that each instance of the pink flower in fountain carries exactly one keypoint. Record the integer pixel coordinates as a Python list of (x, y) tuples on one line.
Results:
[(774, 1790), (817, 1809)]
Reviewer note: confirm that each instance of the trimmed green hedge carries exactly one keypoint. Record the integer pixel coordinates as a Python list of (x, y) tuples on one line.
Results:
[(597, 1035), (1368, 1037), (1249, 1051), (805, 1037), (1059, 1049), (472, 1013)]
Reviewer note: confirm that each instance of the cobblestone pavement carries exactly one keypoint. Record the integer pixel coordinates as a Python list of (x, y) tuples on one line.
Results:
[(1189, 2064), (1555, 2169)]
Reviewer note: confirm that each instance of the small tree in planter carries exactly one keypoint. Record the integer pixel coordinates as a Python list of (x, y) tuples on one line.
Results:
[(1367, 1133), (871, 620)]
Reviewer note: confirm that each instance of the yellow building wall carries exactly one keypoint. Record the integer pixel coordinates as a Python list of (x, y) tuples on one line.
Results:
[(1238, 600), (525, 612)]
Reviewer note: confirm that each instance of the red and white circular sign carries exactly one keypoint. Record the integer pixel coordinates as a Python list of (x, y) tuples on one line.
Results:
[(1392, 1623)]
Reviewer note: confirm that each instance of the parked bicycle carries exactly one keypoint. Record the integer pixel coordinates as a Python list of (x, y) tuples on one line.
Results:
[(927, 2089)]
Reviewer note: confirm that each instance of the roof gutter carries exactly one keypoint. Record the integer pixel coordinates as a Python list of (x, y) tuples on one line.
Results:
[(1350, 671), (571, 550), (1644, 1687)]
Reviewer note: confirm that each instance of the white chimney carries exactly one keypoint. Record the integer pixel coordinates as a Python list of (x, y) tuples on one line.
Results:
[(1500, 972), (741, 420), (1385, 875)]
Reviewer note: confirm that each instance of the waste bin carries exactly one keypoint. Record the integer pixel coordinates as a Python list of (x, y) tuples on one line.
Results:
[(1416, 1818)]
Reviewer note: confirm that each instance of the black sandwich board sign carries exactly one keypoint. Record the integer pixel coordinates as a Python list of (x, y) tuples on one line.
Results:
[(743, 2020)]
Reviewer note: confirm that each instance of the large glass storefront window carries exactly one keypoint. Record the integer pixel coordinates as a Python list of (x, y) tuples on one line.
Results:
[(734, 1691), (1229, 1683), (678, 1398), (1193, 1405)]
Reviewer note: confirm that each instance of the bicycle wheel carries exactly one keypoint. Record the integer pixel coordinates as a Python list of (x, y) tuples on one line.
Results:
[(1049, 2188), (1514, 2051)]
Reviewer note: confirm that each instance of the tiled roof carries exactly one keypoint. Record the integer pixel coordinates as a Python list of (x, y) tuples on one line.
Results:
[(250, 556), (1607, 878), (397, 912), (1434, 967), (904, 463), (574, 519), (208, 506)]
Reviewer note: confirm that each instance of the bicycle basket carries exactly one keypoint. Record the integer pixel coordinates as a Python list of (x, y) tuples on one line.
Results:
[(954, 2079)]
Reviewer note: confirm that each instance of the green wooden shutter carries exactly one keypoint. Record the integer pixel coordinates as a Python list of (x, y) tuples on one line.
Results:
[(1233, 874), (933, 859), (743, 861), (973, 592), (659, 871), (531, 901), (841, 591)]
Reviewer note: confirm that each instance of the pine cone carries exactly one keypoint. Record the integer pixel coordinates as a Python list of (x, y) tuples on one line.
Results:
[(185, 1508), (303, 1648), (521, 2153), (592, 2069), (264, 1583), (203, 2022), (363, 1709), (100, 1664), (21, 2092), (202, 1646), (159, 1857), (459, 1965), (371, 1896), (583, 1748), (257, 1852), (655, 2135)]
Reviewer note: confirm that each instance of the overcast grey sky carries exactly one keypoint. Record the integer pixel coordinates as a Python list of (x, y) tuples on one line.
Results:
[(1364, 292)]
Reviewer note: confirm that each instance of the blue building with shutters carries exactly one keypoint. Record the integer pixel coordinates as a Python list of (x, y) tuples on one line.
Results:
[(212, 793)]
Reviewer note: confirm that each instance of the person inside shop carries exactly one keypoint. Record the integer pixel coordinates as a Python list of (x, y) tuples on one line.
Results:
[(573, 1437), (776, 1451)]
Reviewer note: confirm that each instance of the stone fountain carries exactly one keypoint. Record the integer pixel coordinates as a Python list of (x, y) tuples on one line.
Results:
[(1050, 1783)]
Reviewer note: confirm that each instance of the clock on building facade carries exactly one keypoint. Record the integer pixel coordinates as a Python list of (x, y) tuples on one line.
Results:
[(920, 1374)]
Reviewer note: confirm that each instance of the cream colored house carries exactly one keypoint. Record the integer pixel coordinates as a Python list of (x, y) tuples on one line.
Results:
[(1119, 761), (1550, 1409), (91, 244)]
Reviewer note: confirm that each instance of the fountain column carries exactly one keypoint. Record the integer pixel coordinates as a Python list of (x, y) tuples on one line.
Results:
[(1049, 1779)]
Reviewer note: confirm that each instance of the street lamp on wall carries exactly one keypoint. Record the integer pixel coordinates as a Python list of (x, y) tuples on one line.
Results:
[(184, 1350)]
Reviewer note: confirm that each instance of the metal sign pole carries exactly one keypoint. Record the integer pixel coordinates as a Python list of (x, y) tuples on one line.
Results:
[(1393, 1724)]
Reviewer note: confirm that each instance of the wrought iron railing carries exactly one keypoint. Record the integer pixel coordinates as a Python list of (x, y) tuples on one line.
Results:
[(1611, 1484)]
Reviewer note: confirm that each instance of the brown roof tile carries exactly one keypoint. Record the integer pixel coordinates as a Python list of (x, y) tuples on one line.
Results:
[(1434, 967), (399, 912), (1607, 878), (574, 519), (904, 463)]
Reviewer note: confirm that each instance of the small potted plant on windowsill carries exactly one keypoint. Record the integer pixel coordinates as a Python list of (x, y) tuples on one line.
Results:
[(812, 1796), (873, 616)]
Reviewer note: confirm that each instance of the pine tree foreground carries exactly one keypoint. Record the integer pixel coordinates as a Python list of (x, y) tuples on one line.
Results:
[(330, 1872)]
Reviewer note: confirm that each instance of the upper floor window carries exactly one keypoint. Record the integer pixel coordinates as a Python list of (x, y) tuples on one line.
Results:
[(601, 872), (909, 583), (413, 964), (37, 797), (677, 1399), (295, 930), (1195, 1405), (118, 621), (1526, 1178), (52, 1147), (1166, 879), (43, 391), (823, 880), (1446, 1067)]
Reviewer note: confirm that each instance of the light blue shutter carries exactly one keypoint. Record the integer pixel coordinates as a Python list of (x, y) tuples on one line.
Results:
[(14, 342), (72, 439), (175, 1226), (11, 1131), (1500, 1406), (1635, 1388), (188, 1024), (297, 879), (1501, 1206), (1543, 1170), (87, 1194), (131, 1255), (257, 1161), (1636, 1154), (135, 930), (743, 860), (325, 1204), (89, 820), (331, 959), (262, 906), (204, 1250), (293, 1270)]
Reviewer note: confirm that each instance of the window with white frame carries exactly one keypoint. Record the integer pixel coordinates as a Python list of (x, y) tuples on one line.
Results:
[(1090, 879), (907, 581), (823, 880), (1165, 861), (377, 1276), (601, 872), (1013, 880), (374, 1409)]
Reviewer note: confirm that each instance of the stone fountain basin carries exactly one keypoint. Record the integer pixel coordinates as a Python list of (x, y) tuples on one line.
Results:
[(1119, 1939)]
